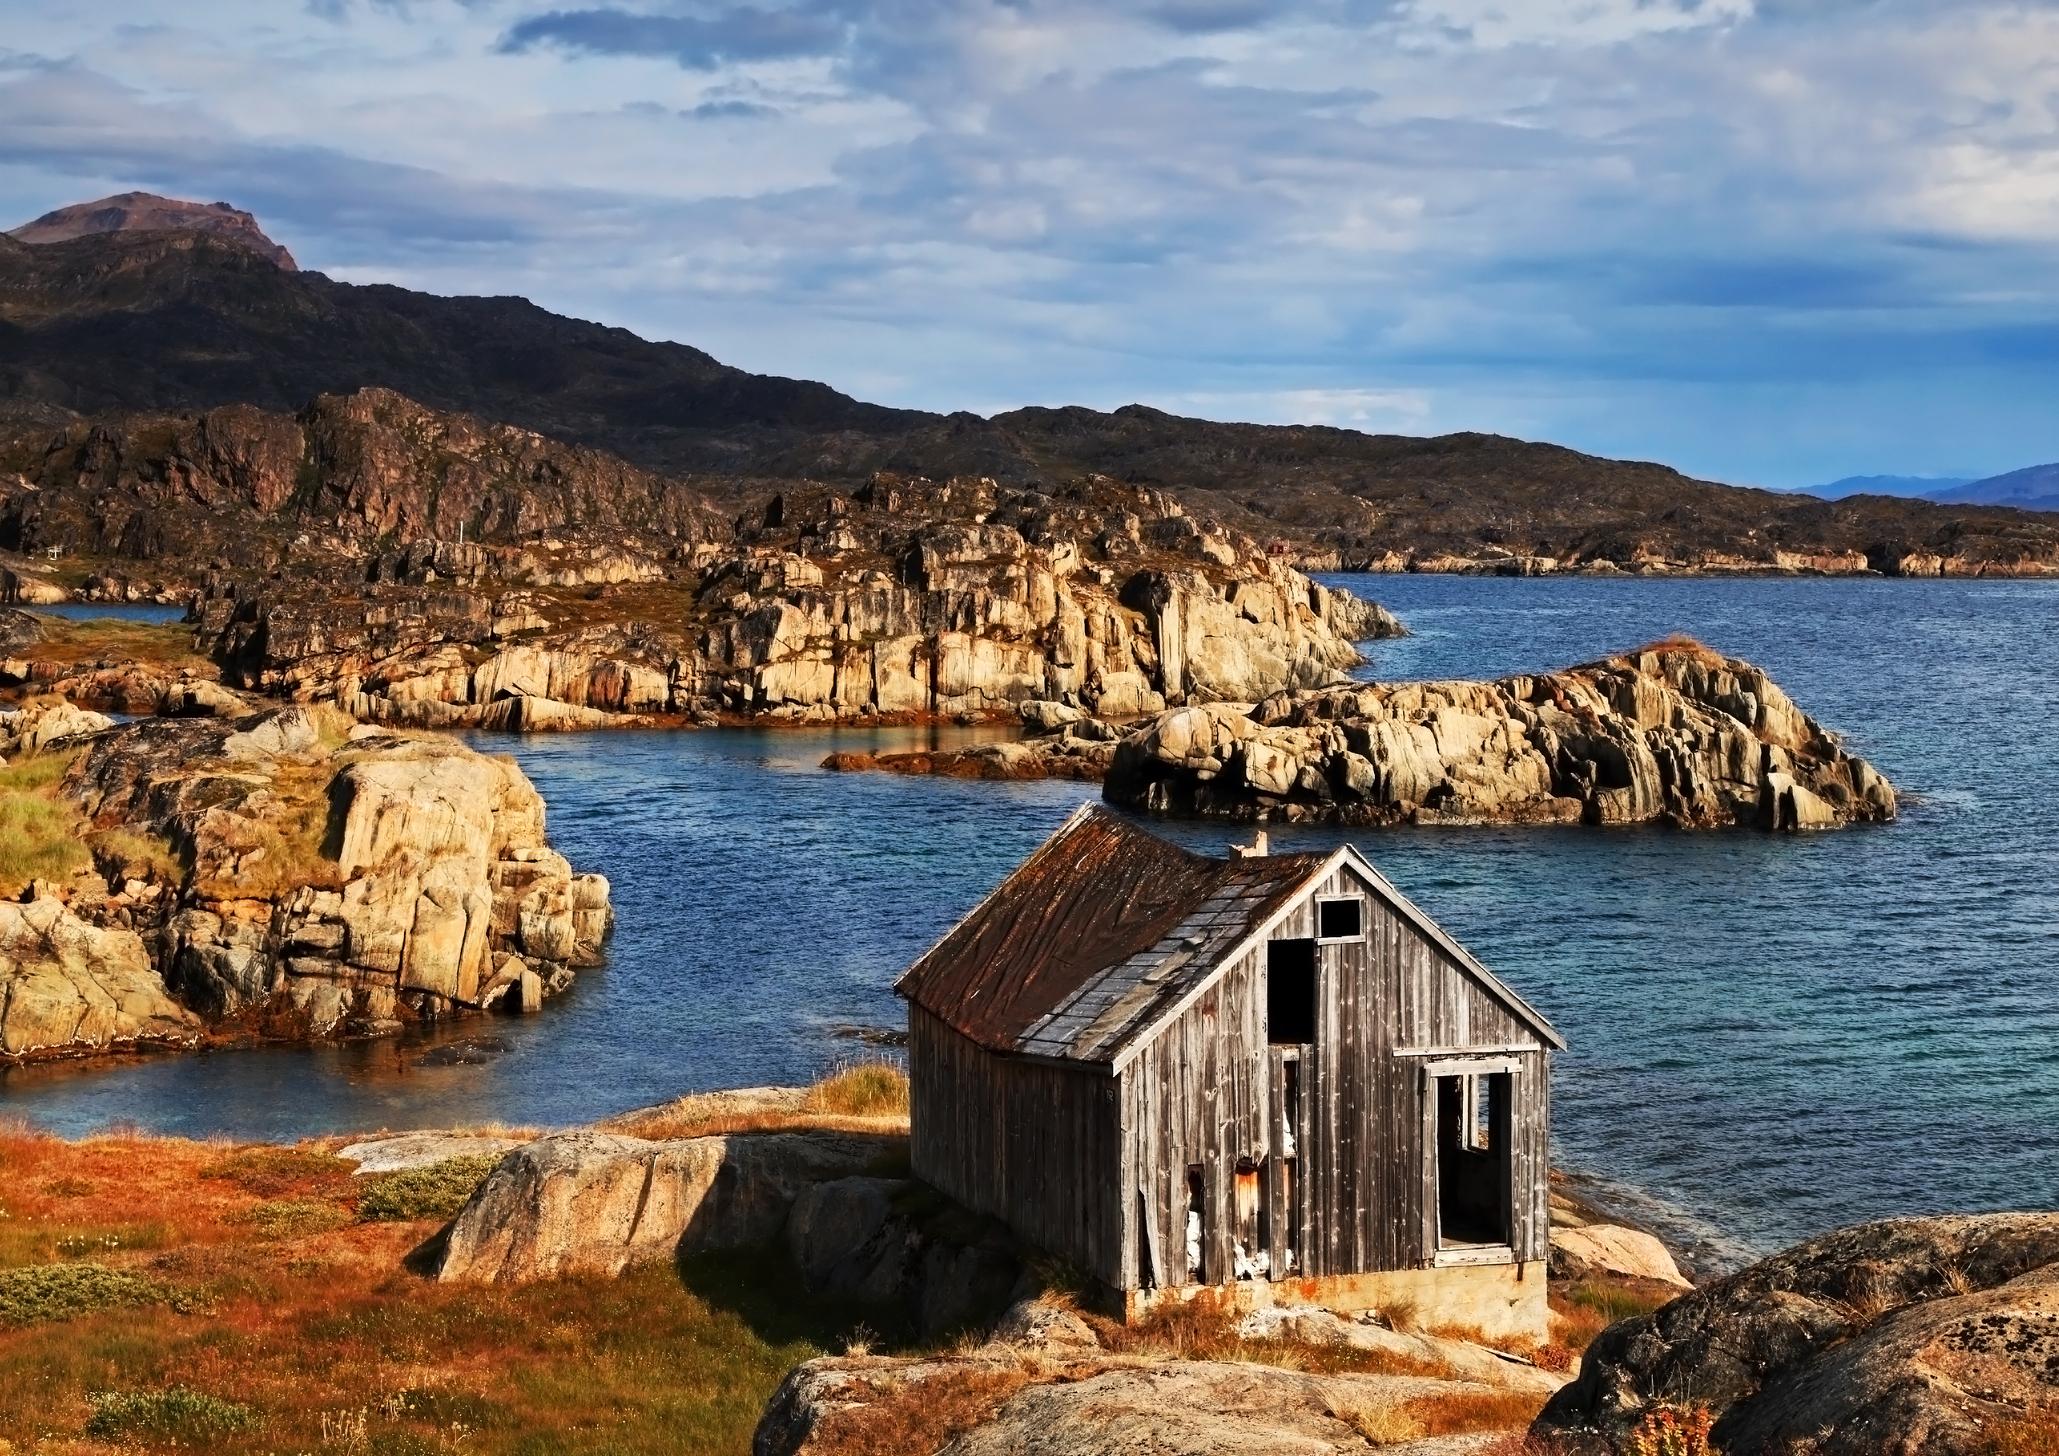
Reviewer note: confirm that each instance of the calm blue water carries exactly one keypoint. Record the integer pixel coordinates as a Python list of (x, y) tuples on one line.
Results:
[(114, 611), (1770, 1036)]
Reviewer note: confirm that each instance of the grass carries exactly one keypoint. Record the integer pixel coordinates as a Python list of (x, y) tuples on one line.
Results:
[(1456, 1413), (287, 846), (866, 1089), (2030, 1434), (1582, 1308), (80, 642), (1199, 1330), (263, 1302), (42, 835), (437, 1191), (866, 1097)]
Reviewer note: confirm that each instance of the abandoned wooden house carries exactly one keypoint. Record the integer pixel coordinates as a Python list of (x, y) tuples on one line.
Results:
[(1268, 1078)]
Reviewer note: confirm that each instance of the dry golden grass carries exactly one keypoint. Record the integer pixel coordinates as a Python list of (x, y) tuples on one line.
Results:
[(1582, 1308), (870, 1097), (2031, 1434), (42, 835), (864, 1089), (918, 1417), (1679, 644), (1201, 1330), (1454, 1413), (278, 1320)]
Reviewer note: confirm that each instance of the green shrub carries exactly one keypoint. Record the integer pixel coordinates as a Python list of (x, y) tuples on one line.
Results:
[(174, 1412), (296, 1218), (437, 1191), (45, 1292)]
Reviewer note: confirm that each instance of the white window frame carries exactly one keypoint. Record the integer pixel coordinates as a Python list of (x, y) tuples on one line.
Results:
[(1322, 900)]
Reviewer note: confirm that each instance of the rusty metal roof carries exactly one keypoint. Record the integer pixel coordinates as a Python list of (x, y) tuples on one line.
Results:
[(1094, 935)]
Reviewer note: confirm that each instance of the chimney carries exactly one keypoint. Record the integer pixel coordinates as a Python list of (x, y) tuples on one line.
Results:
[(1254, 850)]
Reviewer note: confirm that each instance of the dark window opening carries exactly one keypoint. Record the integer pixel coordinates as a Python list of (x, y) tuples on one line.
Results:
[(1197, 1226), (1290, 987), (1340, 919)]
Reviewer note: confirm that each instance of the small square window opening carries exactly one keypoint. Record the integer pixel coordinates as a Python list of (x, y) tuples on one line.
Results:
[(1342, 919)]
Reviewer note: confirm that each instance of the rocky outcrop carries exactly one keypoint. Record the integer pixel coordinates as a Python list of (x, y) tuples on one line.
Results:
[(1930, 1336), (45, 722), (1109, 1407), (904, 599), (329, 877), (1673, 733), (68, 986), (595, 1202)]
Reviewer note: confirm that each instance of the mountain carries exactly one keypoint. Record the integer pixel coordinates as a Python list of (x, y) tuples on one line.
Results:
[(2032, 489), (130, 212), (1923, 487), (111, 324)]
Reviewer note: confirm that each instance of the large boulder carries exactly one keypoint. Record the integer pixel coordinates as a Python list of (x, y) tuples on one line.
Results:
[(1911, 1337), (69, 986), (595, 1202), (1611, 1251)]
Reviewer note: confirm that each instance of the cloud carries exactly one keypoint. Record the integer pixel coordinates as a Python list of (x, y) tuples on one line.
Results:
[(1704, 230), (739, 33)]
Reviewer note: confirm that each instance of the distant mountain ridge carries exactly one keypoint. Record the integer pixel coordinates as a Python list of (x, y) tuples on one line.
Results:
[(189, 319), (1921, 487), (2035, 488), (147, 212)]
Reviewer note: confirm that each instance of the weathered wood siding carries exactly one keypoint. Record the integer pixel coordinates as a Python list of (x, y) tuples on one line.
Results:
[(1208, 1091), (1034, 1144)]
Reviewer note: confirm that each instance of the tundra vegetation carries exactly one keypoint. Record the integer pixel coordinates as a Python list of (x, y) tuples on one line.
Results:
[(161, 1294)]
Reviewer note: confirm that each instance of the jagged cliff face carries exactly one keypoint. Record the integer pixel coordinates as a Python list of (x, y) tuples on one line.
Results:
[(253, 489), (130, 212), (901, 599)]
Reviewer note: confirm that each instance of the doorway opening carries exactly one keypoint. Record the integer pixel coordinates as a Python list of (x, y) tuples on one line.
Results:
[(1475, 1167)]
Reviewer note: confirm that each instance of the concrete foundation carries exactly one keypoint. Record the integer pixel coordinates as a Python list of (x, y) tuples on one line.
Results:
[(1501, 1301)]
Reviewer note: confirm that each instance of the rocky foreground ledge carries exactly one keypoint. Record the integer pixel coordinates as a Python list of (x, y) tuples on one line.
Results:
[(1673, 733), (289, 874)]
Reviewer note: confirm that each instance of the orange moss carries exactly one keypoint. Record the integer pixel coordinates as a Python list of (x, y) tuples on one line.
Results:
[(322, 1335)]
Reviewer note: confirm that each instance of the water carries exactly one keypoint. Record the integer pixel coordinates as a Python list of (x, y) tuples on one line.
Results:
[(1770, 1036), (153, 612)]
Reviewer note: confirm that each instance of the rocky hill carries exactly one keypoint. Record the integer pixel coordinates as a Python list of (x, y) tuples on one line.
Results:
[(134, 212), (251, 490), (191, 321)]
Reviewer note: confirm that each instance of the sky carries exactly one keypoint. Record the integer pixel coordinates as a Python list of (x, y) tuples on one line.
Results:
[(1767, 241)]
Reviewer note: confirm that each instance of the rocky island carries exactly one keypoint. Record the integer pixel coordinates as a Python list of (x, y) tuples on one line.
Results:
[(287, 874), (1672, 733)]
